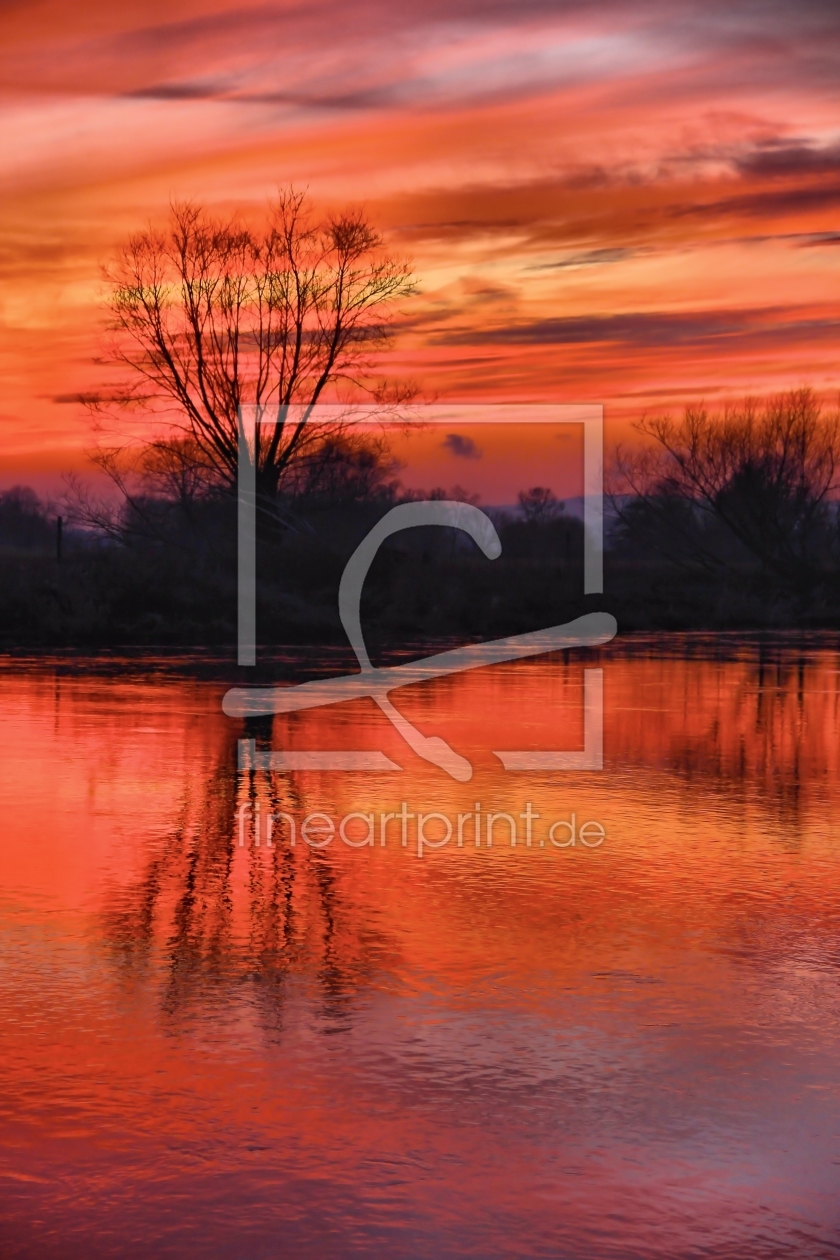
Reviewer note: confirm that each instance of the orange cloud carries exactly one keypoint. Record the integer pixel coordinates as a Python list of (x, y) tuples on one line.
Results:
[(634, 205)]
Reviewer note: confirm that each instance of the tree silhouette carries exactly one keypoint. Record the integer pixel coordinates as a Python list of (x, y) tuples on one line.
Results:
[(749, 487), (210, 315), (539, 505)]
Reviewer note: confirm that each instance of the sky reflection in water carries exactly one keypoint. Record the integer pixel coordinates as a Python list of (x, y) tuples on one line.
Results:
[(214, 1050)]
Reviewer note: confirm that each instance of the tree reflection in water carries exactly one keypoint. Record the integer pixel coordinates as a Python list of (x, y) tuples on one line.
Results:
[(214, 926), (749, 732)]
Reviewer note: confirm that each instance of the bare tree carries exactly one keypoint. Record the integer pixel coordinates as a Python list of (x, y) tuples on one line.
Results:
[(539, 505), (211, 315), (753, 482), (166, 472)]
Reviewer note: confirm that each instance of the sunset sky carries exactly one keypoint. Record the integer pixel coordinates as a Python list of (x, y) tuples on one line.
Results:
[(634, 204)]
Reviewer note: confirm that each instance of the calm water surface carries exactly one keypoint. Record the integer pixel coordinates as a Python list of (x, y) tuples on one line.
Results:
[(215, 1049)]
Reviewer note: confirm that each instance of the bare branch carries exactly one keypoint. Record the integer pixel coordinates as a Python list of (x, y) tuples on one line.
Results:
[(210, 315)]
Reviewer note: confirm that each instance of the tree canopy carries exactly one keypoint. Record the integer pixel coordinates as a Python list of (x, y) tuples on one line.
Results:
[(747, 488), (211, 315)]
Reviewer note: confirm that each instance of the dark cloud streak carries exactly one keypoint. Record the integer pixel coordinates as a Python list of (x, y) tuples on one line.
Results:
[(785, 158), (656, 329)]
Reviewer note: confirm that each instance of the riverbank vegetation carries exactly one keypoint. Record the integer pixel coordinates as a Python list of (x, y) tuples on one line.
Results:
[(715, 522)]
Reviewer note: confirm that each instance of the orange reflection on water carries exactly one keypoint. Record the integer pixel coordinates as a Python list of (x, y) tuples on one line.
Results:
[(486, 1050)]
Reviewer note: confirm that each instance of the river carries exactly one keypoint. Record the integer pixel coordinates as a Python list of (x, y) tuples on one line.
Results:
[(620, 1041)]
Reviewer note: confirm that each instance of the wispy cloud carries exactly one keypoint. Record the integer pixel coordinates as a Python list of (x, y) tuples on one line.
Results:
[(588, 258), (791, 157), (660, 328), (585, 191)]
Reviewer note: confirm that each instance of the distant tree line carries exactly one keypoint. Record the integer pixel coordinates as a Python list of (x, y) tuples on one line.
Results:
[(163, 570), (24, 520), (732, 516), (718, 520)]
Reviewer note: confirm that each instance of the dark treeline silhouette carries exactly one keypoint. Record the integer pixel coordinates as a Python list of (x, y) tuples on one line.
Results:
[(162, 568), (24, 521), (723, 521), (730, 519)]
